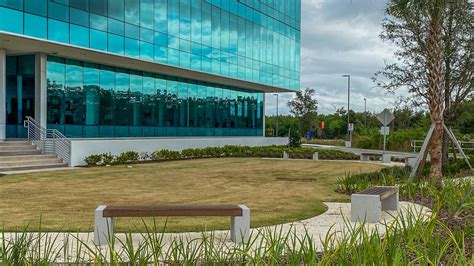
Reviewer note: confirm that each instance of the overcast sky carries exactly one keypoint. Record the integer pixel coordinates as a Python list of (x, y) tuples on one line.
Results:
[(341, 37)]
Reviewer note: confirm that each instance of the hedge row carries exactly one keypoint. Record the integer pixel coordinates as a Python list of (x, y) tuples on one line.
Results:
[(217, 152)]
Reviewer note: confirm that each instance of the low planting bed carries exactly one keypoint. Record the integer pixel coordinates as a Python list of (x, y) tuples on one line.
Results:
[(452, 205), (130, 157)]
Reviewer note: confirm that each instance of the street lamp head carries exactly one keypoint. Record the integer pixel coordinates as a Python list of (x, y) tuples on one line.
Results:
[(346, 76)]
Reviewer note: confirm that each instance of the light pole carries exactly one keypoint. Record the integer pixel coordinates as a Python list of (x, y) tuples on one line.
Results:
[(365, 111), (276, 94), (349, 132)]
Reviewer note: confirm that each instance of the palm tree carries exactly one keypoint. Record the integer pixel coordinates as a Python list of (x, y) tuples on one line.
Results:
[(433, 11)]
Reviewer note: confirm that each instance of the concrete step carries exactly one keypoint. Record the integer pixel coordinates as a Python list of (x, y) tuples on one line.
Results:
[(30, 162), (15, 143), (17, 148), (28, 157), (16, 153), (33, 167)]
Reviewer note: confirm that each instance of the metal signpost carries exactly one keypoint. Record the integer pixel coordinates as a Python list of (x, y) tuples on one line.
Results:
[(385, 117), (350, 128)]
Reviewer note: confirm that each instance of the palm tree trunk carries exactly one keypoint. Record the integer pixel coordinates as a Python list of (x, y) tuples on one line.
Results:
[(435, 97)]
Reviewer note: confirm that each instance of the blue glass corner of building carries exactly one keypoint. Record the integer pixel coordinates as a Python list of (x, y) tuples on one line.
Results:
[(252, 40)]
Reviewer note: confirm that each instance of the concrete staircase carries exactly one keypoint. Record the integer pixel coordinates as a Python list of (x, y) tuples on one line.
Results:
[(23, 155)]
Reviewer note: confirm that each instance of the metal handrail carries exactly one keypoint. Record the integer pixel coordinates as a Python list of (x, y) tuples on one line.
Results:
[(48, 140), (464, 145)]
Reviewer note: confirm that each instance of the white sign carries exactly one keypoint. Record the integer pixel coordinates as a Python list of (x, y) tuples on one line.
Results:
[(385, 131), (351, 127), (385, 117)]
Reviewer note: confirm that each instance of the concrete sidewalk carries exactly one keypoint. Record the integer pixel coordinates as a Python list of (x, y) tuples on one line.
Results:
[(335, 220)]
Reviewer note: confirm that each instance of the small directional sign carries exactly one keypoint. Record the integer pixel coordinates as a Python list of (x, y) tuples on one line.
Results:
[(385, 117), (351, 126), (384, 131)]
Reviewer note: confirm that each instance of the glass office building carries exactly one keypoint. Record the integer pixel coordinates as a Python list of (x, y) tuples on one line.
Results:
[(146, 68)]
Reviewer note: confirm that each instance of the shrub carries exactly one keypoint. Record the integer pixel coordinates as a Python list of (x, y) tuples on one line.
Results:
[(127, 157), (107, 159), (94, 159), (166, 155)]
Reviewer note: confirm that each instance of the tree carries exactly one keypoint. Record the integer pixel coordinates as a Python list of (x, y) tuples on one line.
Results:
[(434, 48), (304, 106)]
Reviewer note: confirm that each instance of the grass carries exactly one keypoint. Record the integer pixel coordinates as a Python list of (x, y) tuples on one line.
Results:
[(411, 239), (65, 200)]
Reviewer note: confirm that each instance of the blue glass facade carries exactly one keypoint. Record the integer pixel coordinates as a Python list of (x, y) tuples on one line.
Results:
[(253, 40), (250, 40), (91, 100)]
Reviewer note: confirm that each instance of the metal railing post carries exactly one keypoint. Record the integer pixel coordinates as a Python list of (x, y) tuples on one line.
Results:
[(40, 136)]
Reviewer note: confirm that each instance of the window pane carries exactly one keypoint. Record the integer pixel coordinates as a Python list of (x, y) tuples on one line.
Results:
[(14, 23), (57, 11), (132, 31), (81, 4), (107, 86), (132, 14), (79, 17), (98, 22), (136, 91), (36, 6), (99, 7), (79, 36), (92, 93), (58, 31), (149, 103), (116, 27), (147, 13), (132, 47), (98, 40), (121, 102), (116, 9), (161, 15), (55, 84), (74, 102), (16, 4), (35, 26), (115, 44), (146, 51)]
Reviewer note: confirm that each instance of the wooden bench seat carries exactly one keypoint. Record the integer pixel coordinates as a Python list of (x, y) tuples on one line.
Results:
[(367, 205), (240, 217), (172, 210)]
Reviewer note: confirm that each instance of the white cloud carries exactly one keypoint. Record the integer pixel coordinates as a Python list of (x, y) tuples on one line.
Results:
[(341, 37)]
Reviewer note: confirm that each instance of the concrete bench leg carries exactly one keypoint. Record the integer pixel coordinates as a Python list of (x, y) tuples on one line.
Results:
[(390, 203), (386, 158), (240, 226), (366, 208), (410, 161), (103, 227), (365, 158)]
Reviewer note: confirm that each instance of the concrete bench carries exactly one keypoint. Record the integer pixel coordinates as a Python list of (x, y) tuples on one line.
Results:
[(367, 206), (365, 157), (411, 161), (104, 226)]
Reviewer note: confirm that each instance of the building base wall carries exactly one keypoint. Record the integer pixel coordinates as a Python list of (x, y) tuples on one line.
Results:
[(81, 148)]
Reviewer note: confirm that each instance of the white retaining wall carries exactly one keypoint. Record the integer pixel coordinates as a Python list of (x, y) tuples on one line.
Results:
[(81, 148)]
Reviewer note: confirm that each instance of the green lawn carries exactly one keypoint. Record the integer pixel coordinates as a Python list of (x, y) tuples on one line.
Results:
[(273, 189)]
